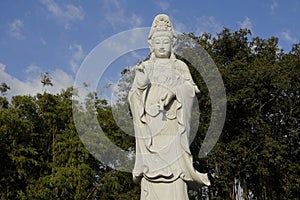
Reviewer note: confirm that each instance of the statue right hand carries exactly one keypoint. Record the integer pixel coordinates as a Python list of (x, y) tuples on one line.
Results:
[(141, 76)]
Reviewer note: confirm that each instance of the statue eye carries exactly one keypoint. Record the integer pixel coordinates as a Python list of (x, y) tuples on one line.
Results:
[(166, 41)]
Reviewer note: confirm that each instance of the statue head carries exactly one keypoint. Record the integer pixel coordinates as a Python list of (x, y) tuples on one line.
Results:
[(162, 38)]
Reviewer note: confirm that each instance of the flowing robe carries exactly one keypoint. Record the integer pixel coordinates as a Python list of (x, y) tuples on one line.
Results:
[(163, 159)]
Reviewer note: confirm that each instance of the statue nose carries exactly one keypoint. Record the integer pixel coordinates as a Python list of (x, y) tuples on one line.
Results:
[(160, 46)]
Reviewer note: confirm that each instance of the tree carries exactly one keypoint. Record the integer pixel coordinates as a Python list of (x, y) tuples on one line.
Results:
[(4, 88), (46, 80), (262, 87)]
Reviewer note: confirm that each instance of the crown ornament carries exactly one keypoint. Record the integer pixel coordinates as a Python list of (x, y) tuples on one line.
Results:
[(162, 23)]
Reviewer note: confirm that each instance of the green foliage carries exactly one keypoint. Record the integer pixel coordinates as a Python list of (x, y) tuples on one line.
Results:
[(46, 80), (42, 156), (259, 145), (4, 88)]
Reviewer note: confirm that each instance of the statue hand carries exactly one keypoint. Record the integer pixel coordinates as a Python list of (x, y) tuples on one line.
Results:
[(140, 67), (167, 98), (141, 77)]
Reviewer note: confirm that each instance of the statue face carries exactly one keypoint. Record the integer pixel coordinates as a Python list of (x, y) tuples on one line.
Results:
[(161, 46)]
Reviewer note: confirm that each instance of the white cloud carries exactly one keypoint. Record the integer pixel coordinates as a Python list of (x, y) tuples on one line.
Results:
[(135, 20), (163, 5), (116, 15), (32, 86), (126, 41), (288, 37), (64, 13), (15, 29), (2, 67), (67, 26), (246, 24), (119, 18), (179, 26), (77, 56), (61, 80), (273, 5), (43, 41), (32, 69), (115, 3), (207, 24), (73, 13)]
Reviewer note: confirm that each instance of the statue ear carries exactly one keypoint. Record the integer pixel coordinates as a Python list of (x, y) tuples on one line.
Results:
[(150, 44)]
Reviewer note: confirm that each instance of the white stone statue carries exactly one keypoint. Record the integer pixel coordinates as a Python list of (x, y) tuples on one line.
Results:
[(161, 100)]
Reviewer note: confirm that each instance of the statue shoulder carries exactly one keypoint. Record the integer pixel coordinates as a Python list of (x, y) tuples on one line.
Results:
[(145, 65), (147, 62), (181, 66)]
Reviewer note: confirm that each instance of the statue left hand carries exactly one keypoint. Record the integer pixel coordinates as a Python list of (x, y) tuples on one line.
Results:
[(167, 98)]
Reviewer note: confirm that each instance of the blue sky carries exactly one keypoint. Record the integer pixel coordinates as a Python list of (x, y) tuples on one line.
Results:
[(55, 36)]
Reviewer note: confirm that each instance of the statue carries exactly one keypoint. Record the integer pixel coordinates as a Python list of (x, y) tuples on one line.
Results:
[(161, 100)]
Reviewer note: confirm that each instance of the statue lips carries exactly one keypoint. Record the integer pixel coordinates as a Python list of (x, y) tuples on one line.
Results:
[(163, 53)]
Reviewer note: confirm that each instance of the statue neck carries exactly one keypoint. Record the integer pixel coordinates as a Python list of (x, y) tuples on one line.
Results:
[(162, 60)]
